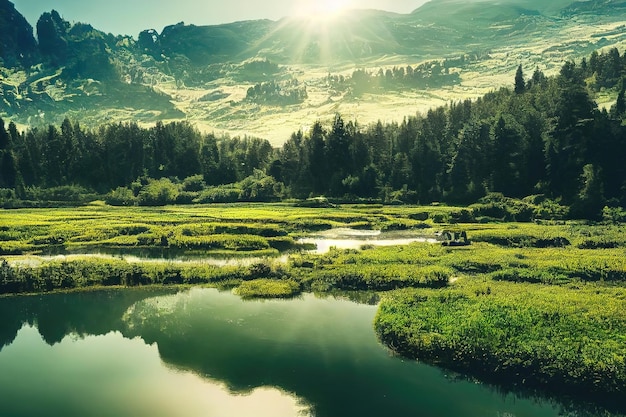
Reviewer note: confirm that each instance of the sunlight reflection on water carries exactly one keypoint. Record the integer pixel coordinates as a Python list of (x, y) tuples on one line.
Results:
[(340, 238), (343, 238)]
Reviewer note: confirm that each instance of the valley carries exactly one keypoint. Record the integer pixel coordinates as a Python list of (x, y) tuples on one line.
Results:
[(204, 81)]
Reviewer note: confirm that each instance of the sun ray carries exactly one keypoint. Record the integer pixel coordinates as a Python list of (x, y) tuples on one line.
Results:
[(320, 9), (327, 34)]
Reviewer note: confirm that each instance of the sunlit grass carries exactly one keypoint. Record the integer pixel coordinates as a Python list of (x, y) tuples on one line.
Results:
[(268, 288), (563, 339)]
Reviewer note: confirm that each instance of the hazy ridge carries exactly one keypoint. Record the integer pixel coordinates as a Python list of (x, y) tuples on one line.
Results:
[(203, 73)]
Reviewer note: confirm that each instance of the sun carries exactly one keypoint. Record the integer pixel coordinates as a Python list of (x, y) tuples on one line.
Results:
[(320, 8)]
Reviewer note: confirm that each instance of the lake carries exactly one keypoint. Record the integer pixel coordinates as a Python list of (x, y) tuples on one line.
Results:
[(201, 352)]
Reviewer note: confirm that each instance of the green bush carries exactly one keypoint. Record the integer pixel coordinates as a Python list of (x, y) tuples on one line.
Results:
[(194, 184), (65, 193), (121, 196), (222, 194), (158, 193), (419, 216)]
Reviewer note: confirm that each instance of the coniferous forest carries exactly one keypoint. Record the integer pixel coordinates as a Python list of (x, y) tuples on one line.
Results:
[(543, 136)]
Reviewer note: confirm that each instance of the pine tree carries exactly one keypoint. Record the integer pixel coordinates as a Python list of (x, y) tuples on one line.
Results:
[(520, 84), (4, 136)]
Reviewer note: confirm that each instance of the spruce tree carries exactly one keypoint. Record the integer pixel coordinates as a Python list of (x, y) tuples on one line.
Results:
[(520, 84)]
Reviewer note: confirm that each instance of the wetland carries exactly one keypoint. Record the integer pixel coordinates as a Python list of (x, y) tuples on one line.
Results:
[(527, 320)]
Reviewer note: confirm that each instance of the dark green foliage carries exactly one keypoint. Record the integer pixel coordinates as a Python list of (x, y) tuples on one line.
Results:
[(353, 277), (17, 43), (532, 276), (514, 144), (114, 156), (590, 201), (520, 84), (421, 216), (60, 194), (51, 32)]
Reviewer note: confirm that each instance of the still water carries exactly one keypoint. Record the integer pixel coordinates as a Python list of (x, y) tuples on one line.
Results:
[(344, 238), (207, 353)]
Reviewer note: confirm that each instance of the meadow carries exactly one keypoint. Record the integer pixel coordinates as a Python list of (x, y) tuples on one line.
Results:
[(538, 304)]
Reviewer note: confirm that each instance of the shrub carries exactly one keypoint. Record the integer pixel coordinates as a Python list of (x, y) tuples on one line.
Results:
[(221, 194), (261, 188), (614, 214), (65, 193), (598, 244), (158, 193), (194, 184), (121, 196), (536, 336), (462, 216), (186, 197), (440, 218), (419, 216)]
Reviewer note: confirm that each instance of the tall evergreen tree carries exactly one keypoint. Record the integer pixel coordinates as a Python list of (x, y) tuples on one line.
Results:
[(8, 165), (4, 137), (316, 168), (520, 84)]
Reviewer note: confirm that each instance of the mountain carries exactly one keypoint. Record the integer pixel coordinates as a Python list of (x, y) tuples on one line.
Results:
[(17, 43), (442, 8), (269, 78), (595, 7)]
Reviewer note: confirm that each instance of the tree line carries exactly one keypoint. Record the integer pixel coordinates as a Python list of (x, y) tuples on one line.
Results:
[(545, 135), (427, 75), (117, 155)]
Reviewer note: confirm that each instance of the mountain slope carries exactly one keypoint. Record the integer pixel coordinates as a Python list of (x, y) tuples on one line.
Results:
[(596, 7), (441, 8), (269, 78), (17, 43)]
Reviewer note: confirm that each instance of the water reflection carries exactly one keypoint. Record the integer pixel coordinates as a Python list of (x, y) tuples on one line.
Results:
[(344, 238), (111, 375), (322, 350), (322, 242), (35, 261)]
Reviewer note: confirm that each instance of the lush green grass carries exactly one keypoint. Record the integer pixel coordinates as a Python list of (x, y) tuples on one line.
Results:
[(91, 272), (567, 339), (268, 288), (237, 228)]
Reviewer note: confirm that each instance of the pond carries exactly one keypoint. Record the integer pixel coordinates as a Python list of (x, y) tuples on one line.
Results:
[(344, 238), (207, 353)]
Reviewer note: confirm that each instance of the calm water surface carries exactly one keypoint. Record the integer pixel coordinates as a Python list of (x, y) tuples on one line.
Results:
[(205, 353), (344, 238)]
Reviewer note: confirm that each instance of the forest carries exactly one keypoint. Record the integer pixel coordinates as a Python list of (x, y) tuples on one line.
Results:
[(544, 136)]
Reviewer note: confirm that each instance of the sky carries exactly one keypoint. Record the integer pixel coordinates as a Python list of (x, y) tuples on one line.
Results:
[(129, 17)]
